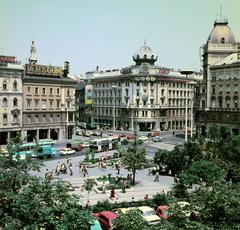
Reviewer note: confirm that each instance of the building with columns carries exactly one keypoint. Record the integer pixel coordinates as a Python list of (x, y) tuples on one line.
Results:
[(11, 74), (142, 97), (48, 106), (218, 94)]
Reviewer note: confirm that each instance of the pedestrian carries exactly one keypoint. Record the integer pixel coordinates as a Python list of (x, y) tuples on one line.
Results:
[(70, 169), (157, 177), (46, 174), (146, 197), (67, 161), (103, 187), (124, 186), (70, 162), (58, 168), (112, 194)]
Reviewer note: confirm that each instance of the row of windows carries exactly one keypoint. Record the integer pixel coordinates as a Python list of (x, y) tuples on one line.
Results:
[(143, 83), (5, 102), (5, 85), (45, 91), (43, 118), (234, 103), (44, 103), (15, 119)]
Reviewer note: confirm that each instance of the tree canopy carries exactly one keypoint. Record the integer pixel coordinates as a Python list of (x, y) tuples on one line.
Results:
[(29, 202)]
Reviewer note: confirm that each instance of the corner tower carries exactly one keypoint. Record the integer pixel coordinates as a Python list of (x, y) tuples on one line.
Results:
[(220, 43)]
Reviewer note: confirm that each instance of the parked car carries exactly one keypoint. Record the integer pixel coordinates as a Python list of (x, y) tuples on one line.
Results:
[(67, 151), (97, 134), (162, 211), (157, 139), (143, 138), (85, 144), (149, 215), (79, 132), (105, 218)]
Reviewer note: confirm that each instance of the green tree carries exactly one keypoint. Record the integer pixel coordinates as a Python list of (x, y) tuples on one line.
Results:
[(134, 158), (218, 206), (202, 171), (161, 158), (29, 202)]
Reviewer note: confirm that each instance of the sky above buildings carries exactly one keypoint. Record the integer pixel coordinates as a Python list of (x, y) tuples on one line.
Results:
[(106, 33)]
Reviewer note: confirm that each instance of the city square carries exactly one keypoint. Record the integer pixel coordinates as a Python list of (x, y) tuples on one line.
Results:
[(119, 115)]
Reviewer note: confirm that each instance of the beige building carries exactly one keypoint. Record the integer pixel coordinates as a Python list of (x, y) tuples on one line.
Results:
[(11, 73), (48, 107), (218, 98), (142, 97)]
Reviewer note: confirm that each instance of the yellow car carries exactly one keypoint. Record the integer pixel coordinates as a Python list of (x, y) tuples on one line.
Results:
[(149, 215)]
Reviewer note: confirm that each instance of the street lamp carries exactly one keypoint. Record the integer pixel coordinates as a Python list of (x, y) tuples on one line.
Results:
[(192, 96), (186, 72), (114, 87)]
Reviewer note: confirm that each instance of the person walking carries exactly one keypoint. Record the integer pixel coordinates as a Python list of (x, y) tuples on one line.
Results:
[(70, 170), (112, 194), (157, 177)]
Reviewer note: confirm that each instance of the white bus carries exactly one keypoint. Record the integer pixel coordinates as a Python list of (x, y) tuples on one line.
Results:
[(104, 144)]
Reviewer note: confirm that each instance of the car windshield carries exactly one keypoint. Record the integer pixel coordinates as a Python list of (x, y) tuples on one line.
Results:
[(149, 213)]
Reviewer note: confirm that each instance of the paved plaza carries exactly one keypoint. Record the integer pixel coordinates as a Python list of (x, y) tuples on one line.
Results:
[(144, 182)]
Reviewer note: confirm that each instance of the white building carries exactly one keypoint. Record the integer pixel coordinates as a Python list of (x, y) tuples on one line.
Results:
[(143, 96), (11, 73)]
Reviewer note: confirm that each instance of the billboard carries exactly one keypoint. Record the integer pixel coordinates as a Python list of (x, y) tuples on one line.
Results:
[(88, 94), (43, 70)]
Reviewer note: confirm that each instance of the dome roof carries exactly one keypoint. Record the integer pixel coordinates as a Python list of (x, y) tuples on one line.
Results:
[(145, 54), (221, 34)]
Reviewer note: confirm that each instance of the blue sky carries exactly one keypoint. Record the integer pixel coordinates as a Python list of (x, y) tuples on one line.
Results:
[(106, 33)]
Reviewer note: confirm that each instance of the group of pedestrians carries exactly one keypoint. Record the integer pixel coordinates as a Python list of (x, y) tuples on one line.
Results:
[(64, 167)]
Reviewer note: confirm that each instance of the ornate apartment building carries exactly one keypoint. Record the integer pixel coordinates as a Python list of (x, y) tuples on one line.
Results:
[(142, 97), (218, 96), (11, 73), (48, 107)]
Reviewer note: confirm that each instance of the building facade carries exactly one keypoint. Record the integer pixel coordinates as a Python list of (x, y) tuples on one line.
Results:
[(142, 97), (49, 105), (11, 74), (218, 95)]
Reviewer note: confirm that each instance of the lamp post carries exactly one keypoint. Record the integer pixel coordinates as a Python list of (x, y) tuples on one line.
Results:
[(186, 72), (114, 87), (192, 96)]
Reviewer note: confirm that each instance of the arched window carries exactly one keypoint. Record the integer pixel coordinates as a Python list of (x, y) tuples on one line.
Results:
[(222, 40), (15, 118), (15, 85), (145, 56), (29, 119), (15, 102), (5, 120), (36, 119), (4, 85), (5, 102)]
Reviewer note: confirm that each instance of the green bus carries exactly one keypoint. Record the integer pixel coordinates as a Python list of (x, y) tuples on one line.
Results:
[(41, 149)]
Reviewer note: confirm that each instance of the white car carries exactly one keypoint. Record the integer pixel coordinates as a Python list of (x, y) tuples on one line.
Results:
[(149, 215), (143, 138), (67, 151), (85, 144)]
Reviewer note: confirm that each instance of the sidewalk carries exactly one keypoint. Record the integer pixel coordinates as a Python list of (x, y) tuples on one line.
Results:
[(144, 183)]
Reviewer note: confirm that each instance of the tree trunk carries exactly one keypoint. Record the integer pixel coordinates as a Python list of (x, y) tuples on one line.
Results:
[(133, 180)]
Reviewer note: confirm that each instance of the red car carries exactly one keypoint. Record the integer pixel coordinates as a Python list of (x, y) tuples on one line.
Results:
[(122, 135), (162, 211), (105, 218)]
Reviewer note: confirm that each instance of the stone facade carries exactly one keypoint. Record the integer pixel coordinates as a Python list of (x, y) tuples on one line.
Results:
[(11, 73), (218, 95), (143, 97)]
